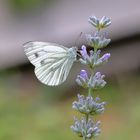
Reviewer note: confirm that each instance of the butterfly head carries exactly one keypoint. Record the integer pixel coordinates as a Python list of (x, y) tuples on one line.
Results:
[(73, 52)]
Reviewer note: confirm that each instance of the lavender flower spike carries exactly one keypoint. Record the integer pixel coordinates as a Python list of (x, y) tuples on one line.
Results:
[(89, 105)]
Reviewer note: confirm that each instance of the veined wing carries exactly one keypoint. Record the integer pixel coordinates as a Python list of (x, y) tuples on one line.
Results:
[(38, 52), (54, 73), (52, 62)]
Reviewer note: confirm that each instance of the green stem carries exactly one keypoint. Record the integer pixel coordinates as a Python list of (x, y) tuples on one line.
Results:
[(89, 92), (87, 116), (84, 138)]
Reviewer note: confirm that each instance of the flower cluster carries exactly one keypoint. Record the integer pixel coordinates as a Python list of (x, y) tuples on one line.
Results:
[(89, 105), (97, 81), (92, 59), (86, 129), (97, 41), (94, 82)]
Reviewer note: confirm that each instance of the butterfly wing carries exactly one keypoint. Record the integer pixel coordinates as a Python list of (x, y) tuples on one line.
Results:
[(52, 61)]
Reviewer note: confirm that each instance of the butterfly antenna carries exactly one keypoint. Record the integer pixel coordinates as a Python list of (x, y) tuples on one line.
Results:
[(77, 39)]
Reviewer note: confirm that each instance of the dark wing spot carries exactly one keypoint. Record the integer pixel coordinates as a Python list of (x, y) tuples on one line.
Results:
[(42, 62), (36, 55)]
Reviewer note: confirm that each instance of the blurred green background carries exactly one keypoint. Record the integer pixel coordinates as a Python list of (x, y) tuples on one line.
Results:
[(30, 110)]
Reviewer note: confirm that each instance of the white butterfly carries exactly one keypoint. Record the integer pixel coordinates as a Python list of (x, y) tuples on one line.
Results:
[(52, 61)]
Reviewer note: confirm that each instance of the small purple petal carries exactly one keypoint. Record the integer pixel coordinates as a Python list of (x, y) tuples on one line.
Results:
[(84, 74), (105, 57), (84, 52), (98, 75), (97, 99)]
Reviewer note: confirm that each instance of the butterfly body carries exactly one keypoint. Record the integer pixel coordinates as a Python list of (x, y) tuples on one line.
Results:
[(52, 61), (72, 52)]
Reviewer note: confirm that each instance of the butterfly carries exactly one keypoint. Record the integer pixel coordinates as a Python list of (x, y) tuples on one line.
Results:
[(52, 61)]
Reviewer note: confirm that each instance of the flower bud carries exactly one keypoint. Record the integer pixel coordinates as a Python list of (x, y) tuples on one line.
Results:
[(105, 22), (84, 74), (97, 41), (82, 79), (103, 59), (83, 52), (87, 59), (99, 24)]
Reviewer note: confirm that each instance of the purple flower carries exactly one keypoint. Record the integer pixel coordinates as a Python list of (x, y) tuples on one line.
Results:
[(98, 75), (82, 79), (86, 59), (97, 81), (84, 74), (105, 57), (83, 52)]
